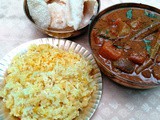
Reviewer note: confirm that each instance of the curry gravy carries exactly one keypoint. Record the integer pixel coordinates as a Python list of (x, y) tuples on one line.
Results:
[(125, 40)]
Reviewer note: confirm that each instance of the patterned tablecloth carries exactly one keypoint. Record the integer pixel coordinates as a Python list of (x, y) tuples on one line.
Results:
[(117, 103)]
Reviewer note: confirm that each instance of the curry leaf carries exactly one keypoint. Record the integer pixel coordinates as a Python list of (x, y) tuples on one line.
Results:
[(129, 14), (147, 41), (148, 46), (107, 31), (117, 46), (150, 14)]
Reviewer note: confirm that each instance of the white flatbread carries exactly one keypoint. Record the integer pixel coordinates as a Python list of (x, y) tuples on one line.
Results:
[(46, 1), (93, 5), (58, 15), (39, 12), (61, 14), (74, 12), (90, 9)]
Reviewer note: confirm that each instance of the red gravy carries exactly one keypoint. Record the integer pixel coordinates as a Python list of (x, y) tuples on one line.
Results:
[(127, 42)]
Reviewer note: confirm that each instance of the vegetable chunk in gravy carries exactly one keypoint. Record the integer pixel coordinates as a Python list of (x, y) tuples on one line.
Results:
[(127, 42)]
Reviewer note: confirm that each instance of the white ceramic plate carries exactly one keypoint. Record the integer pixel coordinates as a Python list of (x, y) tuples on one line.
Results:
[(65, 45)]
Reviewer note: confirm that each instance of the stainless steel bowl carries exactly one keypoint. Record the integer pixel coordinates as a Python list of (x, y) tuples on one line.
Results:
[(104, 69), (58, 33)]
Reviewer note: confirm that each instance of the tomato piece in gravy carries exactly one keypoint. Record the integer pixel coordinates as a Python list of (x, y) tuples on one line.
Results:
[(109, 51)]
